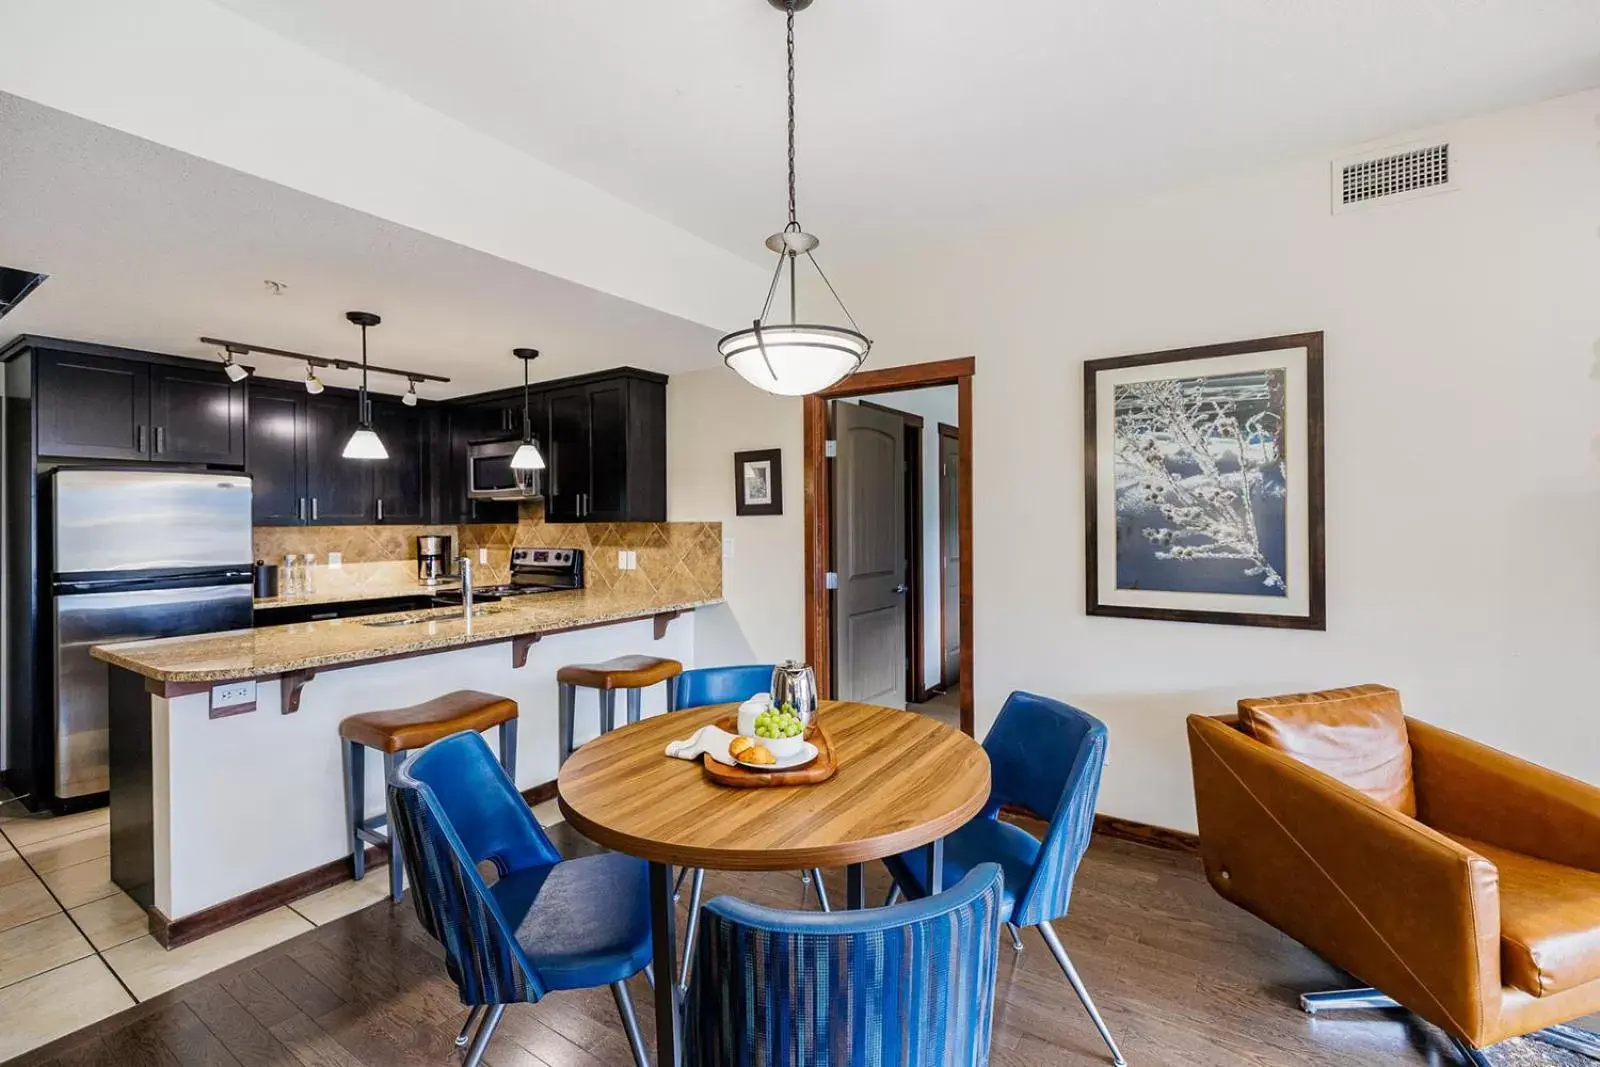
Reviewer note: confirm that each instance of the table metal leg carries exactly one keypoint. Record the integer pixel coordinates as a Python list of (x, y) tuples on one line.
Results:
[(669, 1021), (936, 867), (855, 887)]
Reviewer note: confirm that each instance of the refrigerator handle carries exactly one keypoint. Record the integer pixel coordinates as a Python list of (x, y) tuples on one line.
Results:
[(138, 438)]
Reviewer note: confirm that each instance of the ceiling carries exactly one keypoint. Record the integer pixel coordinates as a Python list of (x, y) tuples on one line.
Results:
[(919, 117), (147, 247)]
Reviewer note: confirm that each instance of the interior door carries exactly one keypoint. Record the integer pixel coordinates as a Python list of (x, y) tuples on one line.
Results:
[(869, 611), (950, 556)]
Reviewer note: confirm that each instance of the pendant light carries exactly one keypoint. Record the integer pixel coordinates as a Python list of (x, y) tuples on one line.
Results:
[(364, 443), (526, 459), (794, 358)]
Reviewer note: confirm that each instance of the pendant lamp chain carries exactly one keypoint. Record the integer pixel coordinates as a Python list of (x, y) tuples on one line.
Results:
[(794, 222)]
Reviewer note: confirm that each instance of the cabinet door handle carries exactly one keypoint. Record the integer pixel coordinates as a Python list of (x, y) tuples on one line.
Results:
[(380, 509), (138, 438), (313, 509), (300, 509), (161, 439)]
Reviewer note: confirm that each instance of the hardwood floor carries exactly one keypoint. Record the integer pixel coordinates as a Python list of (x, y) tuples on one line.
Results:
[(1181, 976)]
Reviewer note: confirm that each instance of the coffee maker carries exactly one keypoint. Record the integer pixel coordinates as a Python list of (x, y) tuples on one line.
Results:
[(433, 558)]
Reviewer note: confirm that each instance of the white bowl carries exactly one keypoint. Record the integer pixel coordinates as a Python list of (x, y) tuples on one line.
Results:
[(782, 747)]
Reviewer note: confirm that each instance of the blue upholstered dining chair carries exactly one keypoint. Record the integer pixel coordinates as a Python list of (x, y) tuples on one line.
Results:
[(908, 984), (544, 924), (1045, 757), (724, 685)]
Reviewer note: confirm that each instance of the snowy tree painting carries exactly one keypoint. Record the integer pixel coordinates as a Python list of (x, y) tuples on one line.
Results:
[(1201, 484)]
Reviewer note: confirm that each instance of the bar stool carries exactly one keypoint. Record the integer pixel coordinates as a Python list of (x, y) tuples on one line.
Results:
[(397, 731), (633, 674)]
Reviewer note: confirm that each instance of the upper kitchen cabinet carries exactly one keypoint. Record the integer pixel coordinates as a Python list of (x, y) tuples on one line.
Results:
[(99, 405), (400, 482), (339, 491), (196, 416), (277, 455), (607, 460)]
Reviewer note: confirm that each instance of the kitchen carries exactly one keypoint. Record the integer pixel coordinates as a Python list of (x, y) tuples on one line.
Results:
[(492, 539)]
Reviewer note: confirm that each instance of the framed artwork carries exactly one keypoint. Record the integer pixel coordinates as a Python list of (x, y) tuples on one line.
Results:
[(758, 482), (1204, 482)]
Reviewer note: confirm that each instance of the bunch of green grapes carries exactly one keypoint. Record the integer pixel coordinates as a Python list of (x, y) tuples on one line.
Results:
[(779, 722)]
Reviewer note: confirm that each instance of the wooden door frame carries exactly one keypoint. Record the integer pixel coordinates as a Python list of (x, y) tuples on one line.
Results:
[(911, 433), (818, 507), (954, 434)]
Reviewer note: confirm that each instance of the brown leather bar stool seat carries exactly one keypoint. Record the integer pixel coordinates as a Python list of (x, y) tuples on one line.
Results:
[(631, 674), (398, 730)]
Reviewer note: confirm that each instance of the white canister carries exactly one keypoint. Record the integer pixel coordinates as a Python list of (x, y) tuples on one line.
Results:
[(750, 709)]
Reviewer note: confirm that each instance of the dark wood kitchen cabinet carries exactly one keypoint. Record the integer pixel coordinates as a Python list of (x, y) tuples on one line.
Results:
[(607, 460), (399, 483), (116, 407), (277, 456), (338, 490)]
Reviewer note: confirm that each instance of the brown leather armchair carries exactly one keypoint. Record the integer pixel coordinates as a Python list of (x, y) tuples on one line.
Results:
[(1459, 881)]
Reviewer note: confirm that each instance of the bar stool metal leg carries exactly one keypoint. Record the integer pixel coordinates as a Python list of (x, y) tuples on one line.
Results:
[(355, 795), (672, 694), (635, 703), (608, 710), (565, 715), (397, 866), (508, 747)]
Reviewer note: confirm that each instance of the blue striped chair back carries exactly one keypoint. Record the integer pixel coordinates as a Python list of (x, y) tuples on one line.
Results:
[(723, 685), (906, 986), (1046, 758), (455, 808)]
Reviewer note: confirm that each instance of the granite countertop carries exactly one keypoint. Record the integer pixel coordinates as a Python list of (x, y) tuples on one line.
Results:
[(372, 592), (273, 650)]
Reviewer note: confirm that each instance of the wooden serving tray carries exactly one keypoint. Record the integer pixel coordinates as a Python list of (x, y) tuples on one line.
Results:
[(818, 770)]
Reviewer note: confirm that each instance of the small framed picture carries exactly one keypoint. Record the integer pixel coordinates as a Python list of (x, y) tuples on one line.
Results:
[(758, 482)]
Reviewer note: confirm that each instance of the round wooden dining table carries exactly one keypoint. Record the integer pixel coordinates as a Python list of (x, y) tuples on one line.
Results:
[(904, 781)]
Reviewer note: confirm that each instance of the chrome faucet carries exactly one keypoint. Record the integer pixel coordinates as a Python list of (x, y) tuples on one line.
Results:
[(466, 588)]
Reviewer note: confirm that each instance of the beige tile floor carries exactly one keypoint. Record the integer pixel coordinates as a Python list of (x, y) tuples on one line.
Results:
[(74, 948)]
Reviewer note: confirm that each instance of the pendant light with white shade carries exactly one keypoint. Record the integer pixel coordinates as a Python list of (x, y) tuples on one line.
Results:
[(526, 459), (364, 443), (794, 358)]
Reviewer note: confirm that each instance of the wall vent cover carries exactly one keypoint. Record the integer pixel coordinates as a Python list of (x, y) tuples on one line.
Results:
[(1392, 174)]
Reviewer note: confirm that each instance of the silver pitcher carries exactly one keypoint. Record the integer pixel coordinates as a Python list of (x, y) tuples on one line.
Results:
[(796, 684)]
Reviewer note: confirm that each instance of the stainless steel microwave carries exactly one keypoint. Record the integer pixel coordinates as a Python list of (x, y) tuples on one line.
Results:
[(490, 477)]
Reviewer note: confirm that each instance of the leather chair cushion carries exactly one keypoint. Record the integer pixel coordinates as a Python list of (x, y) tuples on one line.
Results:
[(1357, 735), (623, 672), (404, 729), (1549, 921)]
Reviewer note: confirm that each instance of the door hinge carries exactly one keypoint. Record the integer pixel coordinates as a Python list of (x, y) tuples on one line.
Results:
[(830, 449), (831, 580)]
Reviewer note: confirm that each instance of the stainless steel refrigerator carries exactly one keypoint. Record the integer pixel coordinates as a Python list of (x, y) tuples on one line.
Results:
[(135, 554)]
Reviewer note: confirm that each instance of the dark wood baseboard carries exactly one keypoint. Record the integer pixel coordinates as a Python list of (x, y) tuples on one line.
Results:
[(1145, 834), (175, 932)]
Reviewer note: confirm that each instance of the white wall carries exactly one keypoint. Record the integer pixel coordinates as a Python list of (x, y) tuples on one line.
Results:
[(710, 416), (1463, 440), (935, 406)]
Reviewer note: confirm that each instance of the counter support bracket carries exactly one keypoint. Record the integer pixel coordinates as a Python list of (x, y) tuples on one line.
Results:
[(519, 649), (289, 686), (662, 620)]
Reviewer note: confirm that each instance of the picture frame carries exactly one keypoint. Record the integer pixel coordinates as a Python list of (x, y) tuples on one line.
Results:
[(758, 482), (1204, 483)]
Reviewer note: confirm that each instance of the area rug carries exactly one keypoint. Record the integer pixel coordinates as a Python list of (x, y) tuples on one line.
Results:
[(1528, 1052)]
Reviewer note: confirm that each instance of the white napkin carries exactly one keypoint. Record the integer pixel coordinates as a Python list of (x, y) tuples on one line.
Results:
[(710, 740)]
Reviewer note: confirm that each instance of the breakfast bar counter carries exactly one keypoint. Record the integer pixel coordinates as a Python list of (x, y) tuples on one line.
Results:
[(227, 789)]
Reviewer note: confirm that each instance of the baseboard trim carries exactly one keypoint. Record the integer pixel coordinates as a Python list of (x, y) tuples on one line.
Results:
[(173, 933), (1146, 834)]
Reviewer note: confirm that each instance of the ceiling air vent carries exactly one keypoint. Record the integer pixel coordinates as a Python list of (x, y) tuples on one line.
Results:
[(1390, 175), (16, 284)]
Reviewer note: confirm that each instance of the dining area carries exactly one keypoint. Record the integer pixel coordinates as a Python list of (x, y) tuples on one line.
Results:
[(671, 809)]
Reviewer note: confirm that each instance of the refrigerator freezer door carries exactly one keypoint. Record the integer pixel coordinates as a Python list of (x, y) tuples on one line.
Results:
[(126, 520), (81, 622)]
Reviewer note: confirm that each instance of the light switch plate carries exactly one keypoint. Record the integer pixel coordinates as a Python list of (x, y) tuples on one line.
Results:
[(622, 559), (483, 555), (335, 560), (727, 548)]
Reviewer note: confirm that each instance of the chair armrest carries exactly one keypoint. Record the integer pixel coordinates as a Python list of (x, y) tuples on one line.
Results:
[(1470, 789), (1395, 903)]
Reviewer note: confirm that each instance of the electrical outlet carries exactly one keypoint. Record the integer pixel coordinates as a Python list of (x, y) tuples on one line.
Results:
[(233, 695), (633, 560), (335, 560), (622, 559), (483, 555)]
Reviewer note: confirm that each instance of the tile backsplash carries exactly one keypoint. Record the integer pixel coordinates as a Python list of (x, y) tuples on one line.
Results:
[(674, 558)]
